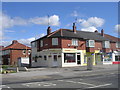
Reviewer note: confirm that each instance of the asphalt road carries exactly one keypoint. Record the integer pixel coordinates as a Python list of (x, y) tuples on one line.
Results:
[(101, 78)]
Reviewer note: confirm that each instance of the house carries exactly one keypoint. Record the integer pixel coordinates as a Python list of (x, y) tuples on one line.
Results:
[(67, 48), (1, 47), (115, 52), (13, 52)]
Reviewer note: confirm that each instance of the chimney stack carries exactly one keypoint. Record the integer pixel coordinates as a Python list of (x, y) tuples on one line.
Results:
[(14, 41), (102, 32), (49, 30), (74, 28)]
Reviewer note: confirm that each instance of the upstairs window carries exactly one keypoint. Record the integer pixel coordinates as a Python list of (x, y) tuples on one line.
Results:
[(106, 44), (90, 43), (41, 43), (54, 41), (75, 42), (118, 45)]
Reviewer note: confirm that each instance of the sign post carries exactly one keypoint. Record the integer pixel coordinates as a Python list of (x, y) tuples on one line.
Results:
[(89, 63)]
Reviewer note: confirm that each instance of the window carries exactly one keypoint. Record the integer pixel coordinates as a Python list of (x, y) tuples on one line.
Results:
[(24, 52), (54, 41), (55, 57), (75, 42), (106, 44), (29, 51), (118, 45), (85, 59), (117, 58), (69, 57), (45, 57), (90, 43), (41, 43)]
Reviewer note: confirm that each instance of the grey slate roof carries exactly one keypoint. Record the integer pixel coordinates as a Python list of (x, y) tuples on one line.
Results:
[(79, 34)]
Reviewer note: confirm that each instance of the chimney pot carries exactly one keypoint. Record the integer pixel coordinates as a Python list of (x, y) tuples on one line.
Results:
[(102, 32), (49, 30), (74, 28)]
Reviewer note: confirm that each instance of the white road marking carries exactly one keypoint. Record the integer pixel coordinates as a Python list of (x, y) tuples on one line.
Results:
[(101, 85), (38, 84), (78, 82), (86, 84)]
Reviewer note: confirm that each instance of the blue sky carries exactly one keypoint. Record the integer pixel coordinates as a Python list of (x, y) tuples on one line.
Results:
[(25, 21)]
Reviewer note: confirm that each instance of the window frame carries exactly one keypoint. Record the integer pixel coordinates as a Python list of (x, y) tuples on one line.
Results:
[(54, 41), (74, 42)]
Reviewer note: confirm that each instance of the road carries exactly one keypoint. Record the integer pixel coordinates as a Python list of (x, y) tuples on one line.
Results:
[(60, 78)]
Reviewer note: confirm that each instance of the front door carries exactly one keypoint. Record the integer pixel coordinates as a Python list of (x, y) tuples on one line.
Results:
[(55, 60), (78, 59)]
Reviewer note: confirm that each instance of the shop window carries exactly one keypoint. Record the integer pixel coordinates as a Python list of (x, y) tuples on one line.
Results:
[(55, 57), (69, 58), (75, 42), (45, 57), (85, 59), (54, 41), (117, 58)]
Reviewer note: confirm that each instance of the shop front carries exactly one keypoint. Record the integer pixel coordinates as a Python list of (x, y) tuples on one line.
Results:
[(107, 58), (116, 57)]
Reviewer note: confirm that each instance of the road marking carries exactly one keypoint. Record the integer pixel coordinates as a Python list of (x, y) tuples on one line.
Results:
[(78, 82), (38, 84), (86, 83), (101, 85)]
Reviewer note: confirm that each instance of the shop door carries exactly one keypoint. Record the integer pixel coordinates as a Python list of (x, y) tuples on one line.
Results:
[(55, 60), (78, 59)]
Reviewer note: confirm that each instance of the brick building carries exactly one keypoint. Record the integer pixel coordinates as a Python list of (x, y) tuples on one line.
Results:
[(11, 53), (66, 48)]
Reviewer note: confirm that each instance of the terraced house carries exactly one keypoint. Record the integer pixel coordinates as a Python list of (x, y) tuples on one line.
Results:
[(67, 48)]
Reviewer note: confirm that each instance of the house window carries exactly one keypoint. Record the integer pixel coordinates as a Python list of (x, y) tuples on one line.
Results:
[(54, 41), (69, 58), (118, 45), (41, 43), (90, 43), (106, 44), (75, 42), (55, 57), (45, 57), (24, 52)]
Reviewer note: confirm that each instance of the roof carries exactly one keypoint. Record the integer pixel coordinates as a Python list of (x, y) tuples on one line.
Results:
[(16, 45), (112, 38), (68, 33)]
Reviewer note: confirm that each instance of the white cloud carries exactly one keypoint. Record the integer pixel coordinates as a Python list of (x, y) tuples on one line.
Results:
[(89, 29), (91, 23), (117, 28), (53, 20)]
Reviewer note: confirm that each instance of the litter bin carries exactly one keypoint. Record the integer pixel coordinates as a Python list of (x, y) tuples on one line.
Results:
[(89, 63)]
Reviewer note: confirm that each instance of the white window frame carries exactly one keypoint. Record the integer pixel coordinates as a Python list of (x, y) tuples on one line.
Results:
[(88, 43), (54, 41), (117, 44), (33, 44), (106, 44), (74, 42)]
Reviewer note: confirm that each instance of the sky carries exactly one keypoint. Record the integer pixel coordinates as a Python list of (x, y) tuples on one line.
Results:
[(27, 21)]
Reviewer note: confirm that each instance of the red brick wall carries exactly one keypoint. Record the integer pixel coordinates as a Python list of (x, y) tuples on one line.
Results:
[(113, 46), (98, 45), (15, 54)]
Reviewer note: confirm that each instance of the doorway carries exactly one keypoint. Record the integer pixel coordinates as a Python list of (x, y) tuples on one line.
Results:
[(78, 59)]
